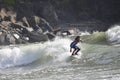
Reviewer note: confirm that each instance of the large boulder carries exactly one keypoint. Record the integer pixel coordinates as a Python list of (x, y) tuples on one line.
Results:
[(50, 35), (37, 23), (37, 37), (45, 26), (10, 39), (6, 38)]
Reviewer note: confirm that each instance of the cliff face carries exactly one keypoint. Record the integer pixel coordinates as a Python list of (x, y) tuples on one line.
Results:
[(69, 11), (62, 11), (103, 10), (41, 8), (72, 11)]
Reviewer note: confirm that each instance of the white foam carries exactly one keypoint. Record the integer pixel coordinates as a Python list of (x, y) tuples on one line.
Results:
[(58, 49), (113, 34), (23, 55), (15, 56)]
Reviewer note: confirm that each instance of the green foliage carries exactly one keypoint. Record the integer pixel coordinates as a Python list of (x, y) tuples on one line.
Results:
[(11, 2)]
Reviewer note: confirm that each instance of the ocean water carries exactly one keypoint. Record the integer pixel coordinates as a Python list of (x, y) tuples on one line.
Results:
[(51, 60)]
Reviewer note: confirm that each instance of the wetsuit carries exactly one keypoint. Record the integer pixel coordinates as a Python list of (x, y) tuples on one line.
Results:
[(73, 45)]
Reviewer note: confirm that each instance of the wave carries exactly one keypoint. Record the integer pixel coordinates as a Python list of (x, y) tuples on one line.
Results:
[(100, 54), (113, 34), (95, 37), (51, 51), (15, 56)]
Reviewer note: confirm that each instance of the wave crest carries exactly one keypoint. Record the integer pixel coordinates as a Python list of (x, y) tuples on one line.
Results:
[(113, 34)]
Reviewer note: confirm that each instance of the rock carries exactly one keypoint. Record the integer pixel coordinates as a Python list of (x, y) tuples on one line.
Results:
[(25, 22), (19, 38), (66, 33), (50, 36), (44, 25), (6, 38), (10, 39), (16, 33), (7, 18), (37, 37), (2, 38), (3, 13), (37, 23), (6, 24)]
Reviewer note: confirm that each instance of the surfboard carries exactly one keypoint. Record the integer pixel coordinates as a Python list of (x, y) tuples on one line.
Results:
[(75, 56)]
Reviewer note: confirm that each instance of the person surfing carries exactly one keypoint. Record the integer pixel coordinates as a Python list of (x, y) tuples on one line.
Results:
[(73, 45)]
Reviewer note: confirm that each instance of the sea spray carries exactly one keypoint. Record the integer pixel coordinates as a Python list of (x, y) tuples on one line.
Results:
[(15, 56), (58, 49), (113, 34)]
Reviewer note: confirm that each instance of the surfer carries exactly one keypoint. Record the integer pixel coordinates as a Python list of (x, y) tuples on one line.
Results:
[(73, 45)]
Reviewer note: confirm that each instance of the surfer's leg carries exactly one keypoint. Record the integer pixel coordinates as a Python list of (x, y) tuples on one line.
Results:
[(77, 50), (73, 53)]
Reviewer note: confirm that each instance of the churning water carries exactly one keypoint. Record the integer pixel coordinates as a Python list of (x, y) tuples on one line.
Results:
[(100, 59)]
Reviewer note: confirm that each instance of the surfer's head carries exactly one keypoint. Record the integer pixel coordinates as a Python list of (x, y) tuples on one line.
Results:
[(77, 38)]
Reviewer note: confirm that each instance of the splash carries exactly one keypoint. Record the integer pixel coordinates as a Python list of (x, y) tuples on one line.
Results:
[(15, 56), (51, 51), (113, 34)]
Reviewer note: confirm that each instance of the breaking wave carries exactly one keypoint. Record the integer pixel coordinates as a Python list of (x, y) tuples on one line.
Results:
[(57, 50), (95, 37), (113, 34)]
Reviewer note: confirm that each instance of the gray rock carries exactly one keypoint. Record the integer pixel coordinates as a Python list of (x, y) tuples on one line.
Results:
[(10, 39), (37, 37), (2, 38), (50, 36)]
